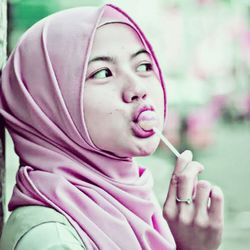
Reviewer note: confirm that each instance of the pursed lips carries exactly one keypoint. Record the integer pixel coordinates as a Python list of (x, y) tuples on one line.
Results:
[(143, 119), (141, 109)]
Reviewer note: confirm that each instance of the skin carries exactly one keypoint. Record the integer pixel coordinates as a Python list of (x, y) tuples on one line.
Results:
[(113, 90), (198, 225), (116, 87)]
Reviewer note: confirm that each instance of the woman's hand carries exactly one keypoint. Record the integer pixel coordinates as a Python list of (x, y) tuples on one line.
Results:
[(197, 225)]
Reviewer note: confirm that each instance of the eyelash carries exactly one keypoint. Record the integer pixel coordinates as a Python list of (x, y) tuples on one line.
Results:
[(149, 67), (92, 76)]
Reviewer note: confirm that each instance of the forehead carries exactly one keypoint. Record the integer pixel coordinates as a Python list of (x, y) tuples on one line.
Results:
[(115, 38)]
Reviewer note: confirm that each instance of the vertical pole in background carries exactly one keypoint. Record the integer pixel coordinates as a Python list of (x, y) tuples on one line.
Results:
[(3, 41)]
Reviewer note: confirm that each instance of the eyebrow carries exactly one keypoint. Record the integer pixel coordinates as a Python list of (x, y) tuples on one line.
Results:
[(112, 59), (141, 51)]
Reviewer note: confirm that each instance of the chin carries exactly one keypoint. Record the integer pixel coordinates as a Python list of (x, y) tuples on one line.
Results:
[(138, 151), (145, 152), (145, 149), (137, 148)]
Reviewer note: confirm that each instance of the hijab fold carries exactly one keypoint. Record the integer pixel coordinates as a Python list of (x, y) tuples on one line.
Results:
[(107, 199)]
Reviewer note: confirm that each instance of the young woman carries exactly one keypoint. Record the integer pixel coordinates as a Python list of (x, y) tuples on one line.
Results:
[(80, 96)]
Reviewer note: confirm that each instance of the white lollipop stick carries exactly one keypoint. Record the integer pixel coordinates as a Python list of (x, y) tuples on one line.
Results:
[(166, 142)]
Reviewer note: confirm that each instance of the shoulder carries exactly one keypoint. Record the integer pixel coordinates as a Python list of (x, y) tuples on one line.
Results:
[(49, 236), (41, 227)]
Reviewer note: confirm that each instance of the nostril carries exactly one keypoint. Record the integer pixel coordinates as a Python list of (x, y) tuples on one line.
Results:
[(134, 98), (137, 97), (130, 96)]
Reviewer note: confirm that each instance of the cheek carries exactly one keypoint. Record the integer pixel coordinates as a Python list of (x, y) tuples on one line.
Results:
[(102, 113), (157, 96), (98, 101)]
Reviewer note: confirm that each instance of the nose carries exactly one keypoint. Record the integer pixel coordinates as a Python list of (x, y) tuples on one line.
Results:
[(134, 91)]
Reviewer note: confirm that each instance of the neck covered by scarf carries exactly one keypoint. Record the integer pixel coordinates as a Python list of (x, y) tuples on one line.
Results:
[(107, 199)]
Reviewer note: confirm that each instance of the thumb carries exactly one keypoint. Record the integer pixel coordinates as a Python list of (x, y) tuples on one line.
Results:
[(182, 161)]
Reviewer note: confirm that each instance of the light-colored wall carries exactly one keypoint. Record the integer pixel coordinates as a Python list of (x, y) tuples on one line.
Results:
[(3, 35), (3, 27)]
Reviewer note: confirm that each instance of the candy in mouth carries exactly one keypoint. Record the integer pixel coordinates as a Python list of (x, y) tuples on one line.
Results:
[(148, 125), (147, 120)]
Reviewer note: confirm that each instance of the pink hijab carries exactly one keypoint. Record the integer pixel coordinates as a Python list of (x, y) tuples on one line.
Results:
[(108, 200)]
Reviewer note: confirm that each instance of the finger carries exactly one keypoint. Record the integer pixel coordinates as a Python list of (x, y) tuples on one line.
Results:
[(182, 161), (186, 180), (169, 207), (216, 209), (172, 190), (203, 189)]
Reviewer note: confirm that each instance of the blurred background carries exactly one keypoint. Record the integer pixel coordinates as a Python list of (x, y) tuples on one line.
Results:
[(204, 49)]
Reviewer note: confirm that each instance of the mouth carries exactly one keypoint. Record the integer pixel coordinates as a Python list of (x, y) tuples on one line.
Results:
[(144, 119)]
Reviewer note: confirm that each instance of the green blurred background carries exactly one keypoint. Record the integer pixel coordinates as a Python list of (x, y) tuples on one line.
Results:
[(204, 49)]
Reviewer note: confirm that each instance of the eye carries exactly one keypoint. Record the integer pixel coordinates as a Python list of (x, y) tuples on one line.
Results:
[(101, 74), (144, 67)]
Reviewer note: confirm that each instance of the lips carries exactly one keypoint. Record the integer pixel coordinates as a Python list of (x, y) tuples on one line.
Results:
[(144, 119), (140, 110)]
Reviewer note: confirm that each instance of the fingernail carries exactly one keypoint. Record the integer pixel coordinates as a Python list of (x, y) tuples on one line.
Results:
[(186, 155), (216, 191)]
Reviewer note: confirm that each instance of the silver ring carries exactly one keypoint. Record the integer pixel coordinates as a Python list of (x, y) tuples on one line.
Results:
[(188, 200)]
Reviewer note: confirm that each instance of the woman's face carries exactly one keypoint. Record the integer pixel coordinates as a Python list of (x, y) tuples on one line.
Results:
[(121, 92)]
